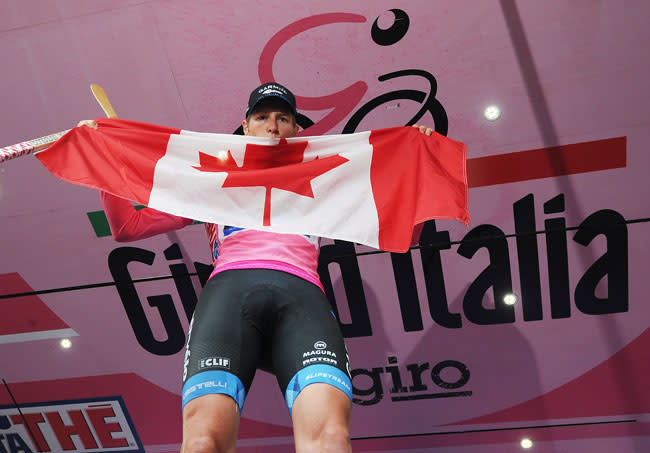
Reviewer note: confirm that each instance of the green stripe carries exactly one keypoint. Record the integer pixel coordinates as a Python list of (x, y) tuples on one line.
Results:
[(99, 223)]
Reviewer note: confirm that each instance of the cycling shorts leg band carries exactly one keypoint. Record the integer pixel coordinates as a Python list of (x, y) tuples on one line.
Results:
[(214, 382), (326, 374)]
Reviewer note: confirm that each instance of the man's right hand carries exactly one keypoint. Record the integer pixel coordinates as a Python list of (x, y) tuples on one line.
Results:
[(89, 123)]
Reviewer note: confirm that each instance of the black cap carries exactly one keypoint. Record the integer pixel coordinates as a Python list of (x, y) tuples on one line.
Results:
[(268, 90)]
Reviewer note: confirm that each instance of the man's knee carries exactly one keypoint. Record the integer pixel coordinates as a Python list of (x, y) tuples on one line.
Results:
[(200, 444), (335, 434), (334, 438)]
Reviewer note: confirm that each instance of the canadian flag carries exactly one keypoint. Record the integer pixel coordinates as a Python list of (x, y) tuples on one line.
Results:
[(369, 187)]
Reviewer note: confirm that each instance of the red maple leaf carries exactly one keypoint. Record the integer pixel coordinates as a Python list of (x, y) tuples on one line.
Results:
[(289, 172)]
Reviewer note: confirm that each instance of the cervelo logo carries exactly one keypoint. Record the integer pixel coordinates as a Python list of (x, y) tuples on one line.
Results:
[(71, 426)]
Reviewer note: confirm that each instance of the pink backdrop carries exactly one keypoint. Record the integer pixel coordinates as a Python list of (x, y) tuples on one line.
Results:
[(567, 366)]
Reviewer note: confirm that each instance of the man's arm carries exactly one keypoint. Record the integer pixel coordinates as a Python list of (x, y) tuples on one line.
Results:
[(128, 224), (417, 232)]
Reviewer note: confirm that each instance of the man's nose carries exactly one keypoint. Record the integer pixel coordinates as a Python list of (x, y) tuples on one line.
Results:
[(272, 125)]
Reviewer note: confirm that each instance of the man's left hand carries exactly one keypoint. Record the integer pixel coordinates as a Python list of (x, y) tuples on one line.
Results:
[(424, 129)]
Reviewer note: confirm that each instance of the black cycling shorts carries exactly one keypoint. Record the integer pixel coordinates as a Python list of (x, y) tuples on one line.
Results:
[(260, 318)]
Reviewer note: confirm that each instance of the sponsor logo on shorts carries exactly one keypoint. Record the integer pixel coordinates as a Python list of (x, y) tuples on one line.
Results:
[(328, 376), (204, 385), (318, 352), (214, 362), (76, 426), (313, 360), (319, 355)]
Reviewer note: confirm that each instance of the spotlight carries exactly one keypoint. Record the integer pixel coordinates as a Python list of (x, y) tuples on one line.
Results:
[(66, 343), (526, 443), (510, 299), (492, 113)]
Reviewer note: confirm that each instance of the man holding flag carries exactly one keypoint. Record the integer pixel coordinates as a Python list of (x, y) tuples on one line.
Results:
[(264, 306)]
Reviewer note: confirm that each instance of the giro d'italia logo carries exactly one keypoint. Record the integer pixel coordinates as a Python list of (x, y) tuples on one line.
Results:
[(387, 29)]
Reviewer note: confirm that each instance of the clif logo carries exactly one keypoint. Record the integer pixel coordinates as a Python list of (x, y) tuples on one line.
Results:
[(71, 426), (220, 362)]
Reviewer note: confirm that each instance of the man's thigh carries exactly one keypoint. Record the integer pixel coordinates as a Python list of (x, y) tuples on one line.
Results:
[(308, 346), (223, 347)]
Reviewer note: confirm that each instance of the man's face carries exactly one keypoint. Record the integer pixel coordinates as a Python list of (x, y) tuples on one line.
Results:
[(271, 118)]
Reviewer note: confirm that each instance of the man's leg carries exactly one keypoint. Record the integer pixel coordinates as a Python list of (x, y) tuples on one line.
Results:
[(312, 366), (321, 420), (210, 424), (220, 362)]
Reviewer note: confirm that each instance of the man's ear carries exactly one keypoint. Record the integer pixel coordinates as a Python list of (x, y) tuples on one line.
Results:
[(244, 125)]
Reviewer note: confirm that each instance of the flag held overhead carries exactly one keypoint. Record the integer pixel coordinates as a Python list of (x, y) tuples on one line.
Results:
[(370, 187)]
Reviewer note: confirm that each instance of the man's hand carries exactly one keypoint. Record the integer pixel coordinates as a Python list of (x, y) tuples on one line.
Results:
[(89, 123), (423, 129)]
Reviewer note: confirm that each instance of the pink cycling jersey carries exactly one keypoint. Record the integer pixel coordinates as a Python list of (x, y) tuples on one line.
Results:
[(231, 247)]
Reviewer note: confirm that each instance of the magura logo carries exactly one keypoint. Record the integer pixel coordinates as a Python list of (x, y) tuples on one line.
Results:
[(71, 426), (320, 354)]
